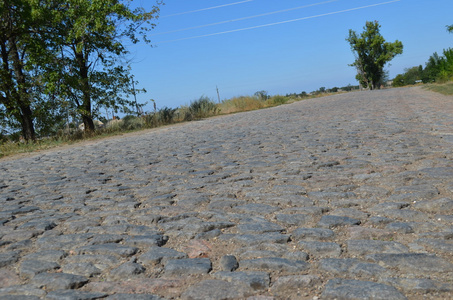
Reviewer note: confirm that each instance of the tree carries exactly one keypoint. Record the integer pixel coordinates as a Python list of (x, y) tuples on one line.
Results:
[(372, 53), (16, 41), (90, 53)]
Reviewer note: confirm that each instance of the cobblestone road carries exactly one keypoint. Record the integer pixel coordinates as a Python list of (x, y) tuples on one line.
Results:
[(342, 197)]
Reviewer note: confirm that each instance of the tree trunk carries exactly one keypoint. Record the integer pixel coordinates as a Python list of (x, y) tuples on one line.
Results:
[(22, 101), (85, 87)]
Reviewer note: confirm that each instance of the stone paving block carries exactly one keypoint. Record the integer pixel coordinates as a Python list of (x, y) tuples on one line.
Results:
[(187, 266), (158, 255), (255, 239), (58, 281), (254, 280), (8, 258), (274, 263), (417, 263), (364, 247), (216, 289), (423, 285), (25, 290), (74, 295), (293, 219), (321, 249), (108, 249), (258, 228), (126, 270), (312, 234), (351, 267), (292, 284), (331, 221), (133, 297), (29, 268), (354, 289), (228, 263), (87, 269)]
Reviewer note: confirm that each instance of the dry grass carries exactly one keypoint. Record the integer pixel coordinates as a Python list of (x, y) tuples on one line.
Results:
[(443, 88)]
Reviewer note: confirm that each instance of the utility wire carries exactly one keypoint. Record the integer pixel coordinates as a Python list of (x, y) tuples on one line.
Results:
[(278, 23), (244, 18), (203, 9)]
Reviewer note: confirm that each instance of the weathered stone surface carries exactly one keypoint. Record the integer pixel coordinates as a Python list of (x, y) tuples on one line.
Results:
[(133, 297), (321, 249), (355, 289), (417, 263), (229, 263), (29, 268), (254, 280), (58, 281), (293, 284), (273, 263), (187, 266), (74, 295), (158, 255), (364, 247), (216, 289), (331, 221), (312, 234), (298, 193)]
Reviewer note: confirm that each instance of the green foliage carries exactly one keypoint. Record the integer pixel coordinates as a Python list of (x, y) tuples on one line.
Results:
[(262, 95), (201, 108), (372, 54), (277, 100)]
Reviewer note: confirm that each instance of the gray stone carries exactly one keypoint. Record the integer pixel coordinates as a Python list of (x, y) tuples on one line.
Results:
[(29, 268), (74, 295), (187, 266), (255, 239), (8, 258), (400, 227), (133, 297), (87, 269), (24, 290), (331, 221), (108, 249), (364, 247), (216, 290), (340, 289), (58, 281), (157, 255), (417, 263), (47, 255), (443, 205), (258, 228), (254, 280), (294, 219), (126, 270), (321, 249), (312, 234), (351, 267), (229, 263), (292, 284), (423, 285), (273, 263)]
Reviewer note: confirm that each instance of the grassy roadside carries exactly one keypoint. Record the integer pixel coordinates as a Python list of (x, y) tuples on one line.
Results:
[(443, 88), (198, 109)]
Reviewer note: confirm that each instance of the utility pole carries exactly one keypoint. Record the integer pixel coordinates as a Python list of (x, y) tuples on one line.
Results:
[(218, 95)]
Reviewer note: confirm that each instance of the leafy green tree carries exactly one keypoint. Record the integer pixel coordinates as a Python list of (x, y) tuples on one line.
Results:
[(90, 53), (372, 53), (17, 39)]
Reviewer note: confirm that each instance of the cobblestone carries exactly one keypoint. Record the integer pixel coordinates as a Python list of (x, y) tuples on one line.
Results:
[(342, 197)]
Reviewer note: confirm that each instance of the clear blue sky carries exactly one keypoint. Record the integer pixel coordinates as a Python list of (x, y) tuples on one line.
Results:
[(255, 45)]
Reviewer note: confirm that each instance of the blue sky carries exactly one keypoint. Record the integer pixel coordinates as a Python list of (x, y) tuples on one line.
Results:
[(256, 45)]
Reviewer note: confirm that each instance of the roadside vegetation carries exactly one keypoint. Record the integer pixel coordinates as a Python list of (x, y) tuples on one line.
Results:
[(201, 108), (64, 80)]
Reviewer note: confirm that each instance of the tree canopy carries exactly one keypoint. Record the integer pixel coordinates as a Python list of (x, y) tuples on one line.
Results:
[(68, 54), (372, 53)]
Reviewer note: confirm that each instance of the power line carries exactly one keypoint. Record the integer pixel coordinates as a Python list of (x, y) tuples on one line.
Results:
[(244, 18), (278, 23), (208, 8)]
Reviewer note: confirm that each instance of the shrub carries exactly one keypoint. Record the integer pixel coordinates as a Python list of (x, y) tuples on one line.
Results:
[(277, 100), (201, 108)]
